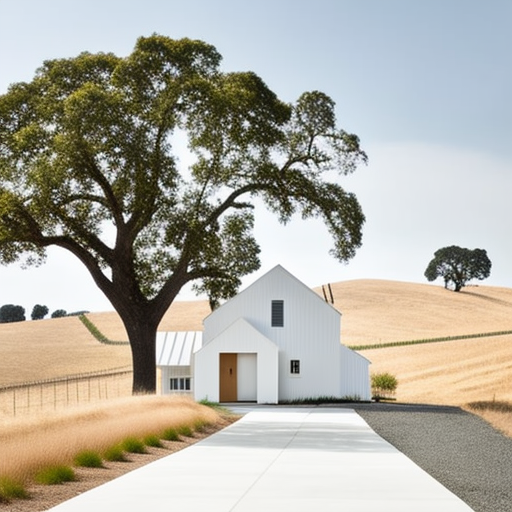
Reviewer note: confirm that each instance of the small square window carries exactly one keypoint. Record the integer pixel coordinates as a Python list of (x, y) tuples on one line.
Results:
[(295, 366)]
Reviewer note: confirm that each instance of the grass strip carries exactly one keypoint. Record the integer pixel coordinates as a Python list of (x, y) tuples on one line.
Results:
[(428, 340), (91, 327)]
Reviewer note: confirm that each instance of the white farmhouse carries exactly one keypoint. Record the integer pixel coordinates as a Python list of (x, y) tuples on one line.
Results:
[(275, 341)]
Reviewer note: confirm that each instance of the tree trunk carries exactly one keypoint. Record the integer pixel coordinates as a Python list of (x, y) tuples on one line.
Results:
[(142, 337)]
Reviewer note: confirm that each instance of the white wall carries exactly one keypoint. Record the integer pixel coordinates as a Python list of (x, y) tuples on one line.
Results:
[(355, 375)]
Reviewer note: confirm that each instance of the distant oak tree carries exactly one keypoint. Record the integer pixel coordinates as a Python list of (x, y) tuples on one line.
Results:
[(457, 266), (89, 163), (11, 313), (39, 312)]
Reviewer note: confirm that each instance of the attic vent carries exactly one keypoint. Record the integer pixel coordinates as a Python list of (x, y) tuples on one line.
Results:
[(277, 318)]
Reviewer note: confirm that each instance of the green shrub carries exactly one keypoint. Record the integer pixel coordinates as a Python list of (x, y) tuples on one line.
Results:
[(133, 445), (153, 441), (89, 459), (10, 489), (54, 475), (115, 454), (383, 386), (171, 434)]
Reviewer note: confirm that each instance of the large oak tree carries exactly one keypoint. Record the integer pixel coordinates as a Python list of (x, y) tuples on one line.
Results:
[(88, 163)]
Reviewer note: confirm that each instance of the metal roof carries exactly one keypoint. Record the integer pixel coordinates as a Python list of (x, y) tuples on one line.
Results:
[(176, 348)]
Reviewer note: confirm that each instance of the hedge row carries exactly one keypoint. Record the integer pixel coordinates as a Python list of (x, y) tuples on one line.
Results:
[(98, 334), (428, 340)]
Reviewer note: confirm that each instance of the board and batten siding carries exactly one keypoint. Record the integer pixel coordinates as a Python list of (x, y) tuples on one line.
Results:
[(355, 376)]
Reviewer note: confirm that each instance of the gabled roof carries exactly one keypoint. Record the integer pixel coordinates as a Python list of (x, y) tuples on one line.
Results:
[(278, 269), (176, 348)]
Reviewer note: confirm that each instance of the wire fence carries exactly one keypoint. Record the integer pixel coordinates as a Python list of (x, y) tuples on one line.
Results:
[(53, 394)]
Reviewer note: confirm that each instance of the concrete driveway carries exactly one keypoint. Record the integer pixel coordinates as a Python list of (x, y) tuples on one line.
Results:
[(278, 459)]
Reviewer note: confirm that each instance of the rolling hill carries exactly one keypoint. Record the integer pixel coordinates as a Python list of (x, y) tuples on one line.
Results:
[(373, 311)]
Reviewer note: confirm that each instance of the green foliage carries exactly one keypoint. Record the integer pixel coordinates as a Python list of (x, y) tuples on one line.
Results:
[(153, 441), (59, 313), (383, 385), (11, 489), (133, 445), (115, 454), (11, 313), (458, 266), (88, 459), (39, 312), (89, 142), (55, 475), (171, 434)]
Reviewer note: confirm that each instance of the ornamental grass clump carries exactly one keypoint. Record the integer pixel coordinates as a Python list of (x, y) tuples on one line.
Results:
[(185, 430), (88, 459), (115, 454), (133, 445), (55, 475), (171, 434), (153, 441), (11, 489)]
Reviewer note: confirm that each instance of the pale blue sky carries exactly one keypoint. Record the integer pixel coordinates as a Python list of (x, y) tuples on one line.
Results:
[(427, 85)]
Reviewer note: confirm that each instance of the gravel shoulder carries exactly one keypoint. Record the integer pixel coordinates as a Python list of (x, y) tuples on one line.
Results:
[(459, 449)]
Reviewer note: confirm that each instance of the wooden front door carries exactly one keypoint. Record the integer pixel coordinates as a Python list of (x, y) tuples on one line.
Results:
[(228, 377)]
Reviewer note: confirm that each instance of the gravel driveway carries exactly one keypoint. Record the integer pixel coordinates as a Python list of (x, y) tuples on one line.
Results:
[(458, 449)]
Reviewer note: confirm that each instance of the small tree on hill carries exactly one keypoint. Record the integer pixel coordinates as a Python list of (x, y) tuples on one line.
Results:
[(59, 313), (11, 313), (39, 312), (458, 265)]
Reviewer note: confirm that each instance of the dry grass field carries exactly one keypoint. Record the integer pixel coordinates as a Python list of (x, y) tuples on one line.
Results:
[(46, 349)]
